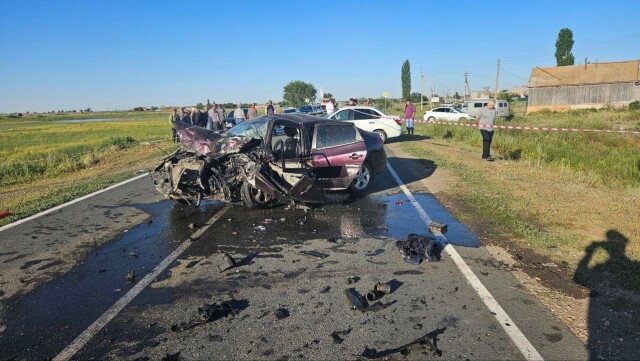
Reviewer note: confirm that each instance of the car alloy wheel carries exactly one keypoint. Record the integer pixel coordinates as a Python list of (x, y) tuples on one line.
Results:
[(362, 179)]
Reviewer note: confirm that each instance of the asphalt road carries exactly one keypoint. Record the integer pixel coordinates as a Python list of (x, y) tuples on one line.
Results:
[(61, 272)]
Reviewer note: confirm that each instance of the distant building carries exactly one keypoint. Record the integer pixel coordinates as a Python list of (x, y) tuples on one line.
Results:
[(521, 91), (597, 85)]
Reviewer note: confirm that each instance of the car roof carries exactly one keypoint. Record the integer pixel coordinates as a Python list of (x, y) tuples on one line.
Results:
[(298, 118)]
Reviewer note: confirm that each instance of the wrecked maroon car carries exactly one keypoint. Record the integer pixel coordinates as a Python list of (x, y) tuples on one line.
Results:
[(274, 159)]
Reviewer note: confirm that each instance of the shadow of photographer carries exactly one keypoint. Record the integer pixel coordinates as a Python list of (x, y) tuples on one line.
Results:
[(613, 318)]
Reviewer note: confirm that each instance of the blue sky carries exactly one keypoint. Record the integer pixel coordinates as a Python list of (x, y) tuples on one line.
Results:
[(121, 54)]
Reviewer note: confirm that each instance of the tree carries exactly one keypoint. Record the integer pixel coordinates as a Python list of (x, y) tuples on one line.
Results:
[(199, 106), (456, 96), (328, 95), (564, 44), (405, 77), (297, 91)]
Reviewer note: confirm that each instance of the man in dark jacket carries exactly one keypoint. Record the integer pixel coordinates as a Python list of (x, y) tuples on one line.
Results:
[(202, 119)]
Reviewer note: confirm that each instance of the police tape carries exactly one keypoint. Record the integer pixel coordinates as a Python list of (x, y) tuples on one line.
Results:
[(523, 127), (511, 127)]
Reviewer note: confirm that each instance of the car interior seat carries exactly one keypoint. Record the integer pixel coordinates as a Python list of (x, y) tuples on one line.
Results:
[(292, 146)]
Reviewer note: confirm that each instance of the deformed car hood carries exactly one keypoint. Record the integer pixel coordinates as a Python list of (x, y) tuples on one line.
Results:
[(211, 143)]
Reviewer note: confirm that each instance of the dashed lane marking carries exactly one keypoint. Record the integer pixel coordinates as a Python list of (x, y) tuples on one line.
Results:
[(112, 312), (519, 339)]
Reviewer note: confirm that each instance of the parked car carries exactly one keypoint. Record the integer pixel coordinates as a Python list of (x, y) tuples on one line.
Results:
[(471, 106), (231, 120), (290, 110), (306, 109), (449, 114), (370, 119), (269, 160)]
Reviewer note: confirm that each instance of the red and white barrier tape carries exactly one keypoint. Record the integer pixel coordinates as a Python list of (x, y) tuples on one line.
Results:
[(524, 127), (516, 127)]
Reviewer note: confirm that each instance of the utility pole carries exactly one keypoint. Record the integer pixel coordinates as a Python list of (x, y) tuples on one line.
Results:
[(466, 86), (497, 80), (421, 88)]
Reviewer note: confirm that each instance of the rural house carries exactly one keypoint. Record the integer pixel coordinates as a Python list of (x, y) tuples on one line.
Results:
[(561, 88)]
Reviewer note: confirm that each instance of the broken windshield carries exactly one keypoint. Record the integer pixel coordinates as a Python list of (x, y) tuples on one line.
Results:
[(255, 128)]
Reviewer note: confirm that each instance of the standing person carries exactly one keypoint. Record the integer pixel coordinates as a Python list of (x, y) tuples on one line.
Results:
[(173, 119), (270, 108), (238, 115), (211, 125), (366, 103), (409, 115), (184, 116), (202, 118), (218, 117), (485, 118), (331, 106), (193, 120), (253, 112)]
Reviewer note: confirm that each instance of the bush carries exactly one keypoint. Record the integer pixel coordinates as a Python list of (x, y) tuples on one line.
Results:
[(122, 142), (634, 105)]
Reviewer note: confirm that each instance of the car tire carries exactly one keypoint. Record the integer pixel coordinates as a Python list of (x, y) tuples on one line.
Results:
[(381, 133), (363, 180), (254, 198), (431, 119)]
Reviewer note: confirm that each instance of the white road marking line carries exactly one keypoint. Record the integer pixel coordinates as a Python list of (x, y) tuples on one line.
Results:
[(519, 339), (10, 225), (96, 326)]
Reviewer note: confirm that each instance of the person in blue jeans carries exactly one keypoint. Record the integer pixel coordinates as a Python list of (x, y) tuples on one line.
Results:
[(409, 116)]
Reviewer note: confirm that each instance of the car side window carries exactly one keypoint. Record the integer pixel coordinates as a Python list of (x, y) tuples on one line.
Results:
[(446, 110), (335, 134), (343, 115), (477, 105), (439, 110), (360, 114)]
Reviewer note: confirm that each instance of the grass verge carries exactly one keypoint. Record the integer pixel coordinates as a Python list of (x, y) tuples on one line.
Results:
[(556, 212)]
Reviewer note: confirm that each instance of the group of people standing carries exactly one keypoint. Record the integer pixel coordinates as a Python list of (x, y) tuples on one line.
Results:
[(214, 117)]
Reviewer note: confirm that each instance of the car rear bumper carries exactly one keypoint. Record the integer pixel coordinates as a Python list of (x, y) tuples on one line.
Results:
[(378, 160)]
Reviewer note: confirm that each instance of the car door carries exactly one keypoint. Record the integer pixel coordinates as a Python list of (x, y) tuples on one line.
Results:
[(365, 119), (337, 153)]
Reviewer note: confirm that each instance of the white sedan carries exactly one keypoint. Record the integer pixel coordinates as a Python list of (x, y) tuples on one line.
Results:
[(449, 114), (370, 119)]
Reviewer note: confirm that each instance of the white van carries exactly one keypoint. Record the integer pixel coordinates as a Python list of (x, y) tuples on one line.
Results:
[(471, 106)]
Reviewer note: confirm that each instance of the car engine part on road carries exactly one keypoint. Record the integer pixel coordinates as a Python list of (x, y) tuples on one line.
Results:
[(212, 312), (417, 248), (227, 262)]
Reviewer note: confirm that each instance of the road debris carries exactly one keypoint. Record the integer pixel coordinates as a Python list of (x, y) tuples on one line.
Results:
[(261, 228), (192, 263), (359, 303), (435, 227), (193, 225), (314, 254), (398, 202), (131, 276), (279, 313), (352, 279), (337, 335), (417, 248), (425, 344), (355, 299), (382, 287), (227, 262), (374, 295), (212, 312), (172, 356), (132, 254), (5, 214)]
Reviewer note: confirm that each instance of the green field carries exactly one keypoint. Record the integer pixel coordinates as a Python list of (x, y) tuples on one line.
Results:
[(45, 160), (607, 159)]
